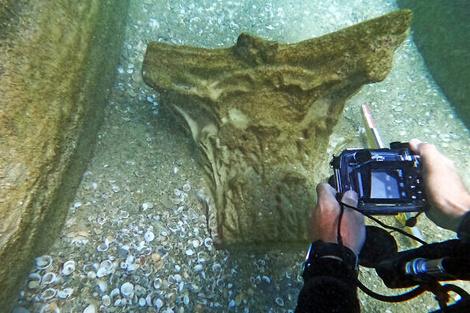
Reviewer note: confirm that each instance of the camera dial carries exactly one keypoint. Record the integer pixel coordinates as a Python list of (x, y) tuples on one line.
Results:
[(362, 156)]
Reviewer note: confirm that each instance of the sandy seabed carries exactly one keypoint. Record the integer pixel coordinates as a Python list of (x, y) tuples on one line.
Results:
[(135, 239)]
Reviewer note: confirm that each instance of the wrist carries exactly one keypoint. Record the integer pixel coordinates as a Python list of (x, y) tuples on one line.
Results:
[(323, 252), (460, 210), (451, 211)]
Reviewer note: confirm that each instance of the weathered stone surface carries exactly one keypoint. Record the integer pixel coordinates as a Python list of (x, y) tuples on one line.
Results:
[(57, 61), (441, 30), (261, 114)]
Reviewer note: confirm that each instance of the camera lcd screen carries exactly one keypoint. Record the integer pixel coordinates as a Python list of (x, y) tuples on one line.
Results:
[(384, 185)]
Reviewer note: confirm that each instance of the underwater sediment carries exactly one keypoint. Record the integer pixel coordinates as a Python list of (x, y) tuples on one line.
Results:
[(261, 114)]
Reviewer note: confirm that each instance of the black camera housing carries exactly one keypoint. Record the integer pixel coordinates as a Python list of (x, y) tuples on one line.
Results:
[(388, 181)]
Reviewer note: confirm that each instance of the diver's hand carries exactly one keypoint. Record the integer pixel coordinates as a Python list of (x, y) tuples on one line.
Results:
[(323, 219), (448, 196)]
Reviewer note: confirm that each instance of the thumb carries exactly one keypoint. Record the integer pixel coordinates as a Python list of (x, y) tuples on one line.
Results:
[(350, 198)]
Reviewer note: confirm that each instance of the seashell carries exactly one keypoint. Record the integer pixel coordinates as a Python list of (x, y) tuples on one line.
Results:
[(107, 265), (142, 302), (48, 278), (87, 268), (186, 187), (149, 236), (158, 303), (124, 250), (101, 219), (216, 268), (186, 300), (148, 300), (167, 246), (208, 242), (140, 246), (156, 257), (79, 241), (91, 275), (102, 247), (91, 309), (279, 301), (34, 280), (127, 289), (189, 252), (48, 308), (173, 227), (266, 279), (146, 270), (157, 283), (68, 267), (139, 290), (195, 244), (177, 192), (220, 283), (202, 257), (108, 240), (130, 259), (114, 293), (101, 272), (132, 267), (48, 294), (106, 300), (163, 233), (43, 262), (123, 214), (147, 251), (117, 302), (198, 268), (123, 265), (102, 285), (65, 294), (177, 278), (146, 206)]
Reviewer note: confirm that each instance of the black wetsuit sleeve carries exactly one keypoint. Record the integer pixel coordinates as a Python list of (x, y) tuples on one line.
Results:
[(463, 230), (331, 287)]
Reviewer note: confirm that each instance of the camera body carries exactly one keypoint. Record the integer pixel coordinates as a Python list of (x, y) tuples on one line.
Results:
[(388, 181)]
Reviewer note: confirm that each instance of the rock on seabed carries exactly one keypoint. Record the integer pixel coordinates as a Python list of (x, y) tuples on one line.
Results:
[(261, 113)]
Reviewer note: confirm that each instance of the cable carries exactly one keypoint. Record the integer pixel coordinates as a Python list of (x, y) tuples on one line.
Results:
[(398, 298), (385, 225)]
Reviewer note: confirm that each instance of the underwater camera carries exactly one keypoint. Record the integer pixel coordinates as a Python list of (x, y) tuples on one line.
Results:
[(388, 181)]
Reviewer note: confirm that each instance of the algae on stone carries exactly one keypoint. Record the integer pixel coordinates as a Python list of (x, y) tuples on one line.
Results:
[(58, 61), (261, 113)]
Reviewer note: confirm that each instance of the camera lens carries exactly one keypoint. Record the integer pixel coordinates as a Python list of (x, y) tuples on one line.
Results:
[(362, 156)]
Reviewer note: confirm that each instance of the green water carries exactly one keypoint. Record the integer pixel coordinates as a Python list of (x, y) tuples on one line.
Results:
[(138, 178)]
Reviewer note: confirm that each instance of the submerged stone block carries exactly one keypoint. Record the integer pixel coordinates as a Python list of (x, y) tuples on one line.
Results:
[(261, 113), (58, 60)]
